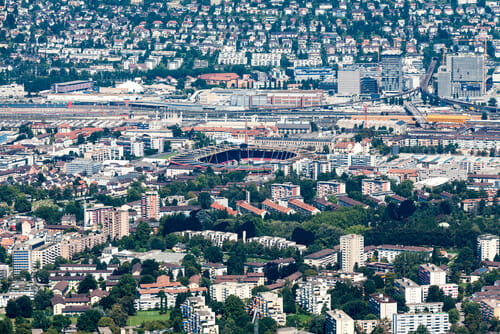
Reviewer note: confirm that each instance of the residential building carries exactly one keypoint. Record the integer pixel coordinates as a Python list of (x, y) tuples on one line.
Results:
[(219, 292), (338, 322), (411, 291), (488, 246), (313, 296), (216, 237), (322, 258), (383, 306), (431, 274), (199, 318), (389, 252), (115, 223), (352, 251), (45, 254), (436, 323), (284, 190), (302, 208), (370, 186), (83, 166), (325, 188), (150, 205), (268, 305)]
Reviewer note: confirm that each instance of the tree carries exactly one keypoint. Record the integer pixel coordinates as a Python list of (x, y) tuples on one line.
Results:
[(60, 322), (25, 307), (12, 310), (42, 276), (22, 204), (142, 233), (87, 321), (41, 320), (6, 326), (435, 294), (454, 315), (317, 324), (118, 315), (492, 102), (42, 299), (88, 283), (204, 200), (213, 254)]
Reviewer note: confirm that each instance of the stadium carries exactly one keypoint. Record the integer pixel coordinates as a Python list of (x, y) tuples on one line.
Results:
[(243, 157)]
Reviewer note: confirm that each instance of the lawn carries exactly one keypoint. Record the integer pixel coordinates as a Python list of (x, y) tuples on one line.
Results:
[(142, 316)]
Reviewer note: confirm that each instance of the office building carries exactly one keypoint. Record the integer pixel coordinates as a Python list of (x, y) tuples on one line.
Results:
[(338, 322), (431, 274), (72, 86), (284, 190), (325, 188), (368, 86), (462, 76), (150, 205), (488, 246), (436, 323), (392, 71), (352, 251), (83, 166), (411, 291), (383, 306), (349, 83), (313, 296), (370, 186)]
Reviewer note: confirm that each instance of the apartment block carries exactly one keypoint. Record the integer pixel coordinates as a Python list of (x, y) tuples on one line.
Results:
[(338, 322), (408, 289), (488, 246), (216, 237), (325, 188), (219, 292), (352, 251), (199, 318), (383, 306), (370, 186), (150, 205), (431, 274), (322, 258), (45, 254), (313, 296), (436, 323), (115, 223), (268, 304), (284, 190)]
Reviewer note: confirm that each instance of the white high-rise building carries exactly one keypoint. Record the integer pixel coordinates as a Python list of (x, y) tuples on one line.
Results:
[(352, 251), (488, 246)]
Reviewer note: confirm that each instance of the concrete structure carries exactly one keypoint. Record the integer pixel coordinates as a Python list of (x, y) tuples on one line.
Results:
[(383, 306), (462, 76), (72, 86), (325, 188), (411, 291), (431, 274), (322, 258), (268, 304), (199, 318), (488, 246), (436, 323), (313, 296), (284, 190), (338, 322), (352, 251), (349, 83), (219, 292), (370, 186), (392, 71), (83, 166), (150, 205)]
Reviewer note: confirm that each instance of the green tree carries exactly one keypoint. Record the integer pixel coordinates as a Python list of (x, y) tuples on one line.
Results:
[(204, 200), (42, 299), (87, 321), (87, 284), (41, 320), (118, 315), (60, 322), (22, 204), (142, 233), (213, 254)]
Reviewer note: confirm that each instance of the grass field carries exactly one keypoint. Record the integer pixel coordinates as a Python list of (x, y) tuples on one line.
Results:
[(142, 316)]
